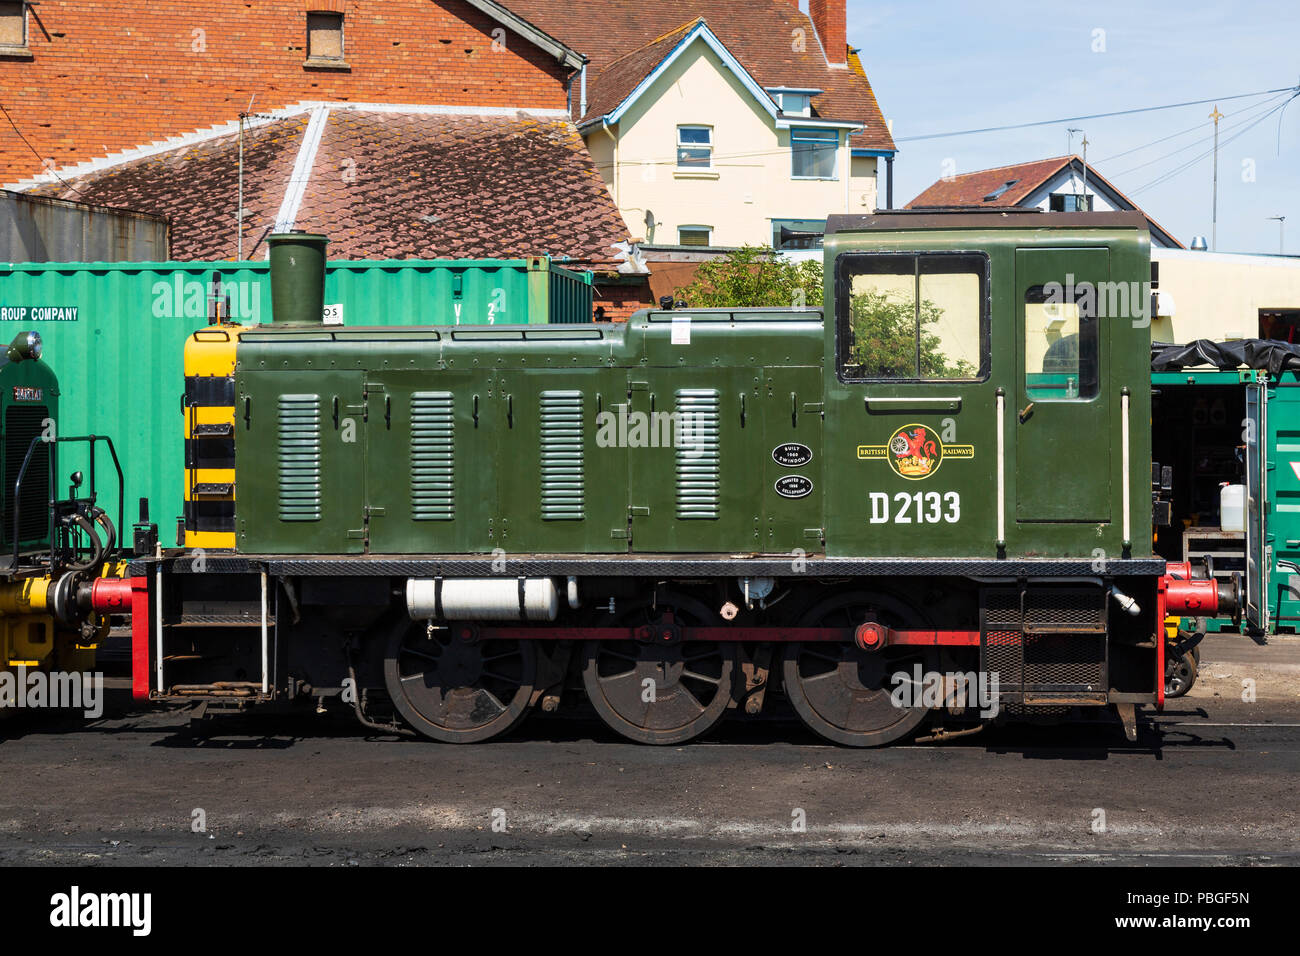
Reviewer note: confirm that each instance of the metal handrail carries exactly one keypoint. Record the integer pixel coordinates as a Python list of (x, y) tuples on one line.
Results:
[(91, 440)]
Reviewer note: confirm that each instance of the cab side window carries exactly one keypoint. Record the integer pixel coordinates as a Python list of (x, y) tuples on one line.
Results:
[(912, 317), (1061, 344)]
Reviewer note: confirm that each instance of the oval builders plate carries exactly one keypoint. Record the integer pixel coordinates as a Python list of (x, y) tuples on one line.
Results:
[(793, 486), (792, 454)]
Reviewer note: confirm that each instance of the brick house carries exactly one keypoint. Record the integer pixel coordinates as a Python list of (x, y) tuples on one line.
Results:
[(407, 129)]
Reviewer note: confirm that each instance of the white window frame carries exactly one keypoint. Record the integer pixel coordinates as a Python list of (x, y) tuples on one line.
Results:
[(794, 153), (681, 146), (707, 230), (786, 99), (803, 100)]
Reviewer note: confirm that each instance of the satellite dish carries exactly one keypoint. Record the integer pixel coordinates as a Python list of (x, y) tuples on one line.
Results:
[(649, 226)]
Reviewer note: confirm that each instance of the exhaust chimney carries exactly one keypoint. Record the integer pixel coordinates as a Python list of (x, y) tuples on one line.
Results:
[(297, 278)]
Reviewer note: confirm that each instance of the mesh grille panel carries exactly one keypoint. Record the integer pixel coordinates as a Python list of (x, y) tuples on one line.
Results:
[(1002, 656), (1065, 607), (23, 423), (1002, 607), (1064, 659), (1057, 649)]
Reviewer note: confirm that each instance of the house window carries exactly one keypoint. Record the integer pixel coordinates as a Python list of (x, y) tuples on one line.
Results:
[(694, 235), (694, 147), (910, 317), (13, 26), (325, 37), (794, 103), (797, 233), (1071, 202), (813, 153)]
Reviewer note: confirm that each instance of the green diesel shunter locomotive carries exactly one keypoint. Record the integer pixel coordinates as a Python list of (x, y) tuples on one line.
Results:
[(927, 505)]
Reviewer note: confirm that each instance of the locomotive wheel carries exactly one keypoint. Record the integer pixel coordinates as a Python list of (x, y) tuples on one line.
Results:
[(458, 690), (692, 680), (1180, 674), (844, 693)]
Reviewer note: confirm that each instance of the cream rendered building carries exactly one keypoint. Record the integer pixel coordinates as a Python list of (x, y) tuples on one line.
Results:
[(702, 155), (721, 123), (1223, 296)]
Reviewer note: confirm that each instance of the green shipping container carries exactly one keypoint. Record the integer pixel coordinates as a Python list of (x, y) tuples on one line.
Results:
[(115, 335)]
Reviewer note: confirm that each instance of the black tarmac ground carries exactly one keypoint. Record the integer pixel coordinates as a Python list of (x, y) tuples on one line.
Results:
[(1210, 781)]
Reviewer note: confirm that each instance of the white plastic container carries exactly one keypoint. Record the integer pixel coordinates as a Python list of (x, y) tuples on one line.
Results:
[(1232, 507)]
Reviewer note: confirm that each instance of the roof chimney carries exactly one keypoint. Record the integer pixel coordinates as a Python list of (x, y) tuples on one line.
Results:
[(830, 17)]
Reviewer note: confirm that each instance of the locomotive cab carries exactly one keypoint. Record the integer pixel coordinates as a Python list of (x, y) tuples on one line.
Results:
[(996, 381), (990, 407)]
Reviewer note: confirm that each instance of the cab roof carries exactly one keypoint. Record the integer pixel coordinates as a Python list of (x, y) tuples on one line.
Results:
[(967, 218)]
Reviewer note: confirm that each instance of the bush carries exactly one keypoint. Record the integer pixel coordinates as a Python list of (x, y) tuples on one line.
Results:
[(884, 331), (754, 277)]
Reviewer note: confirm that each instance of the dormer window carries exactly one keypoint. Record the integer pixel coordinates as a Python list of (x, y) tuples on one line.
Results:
[(796, 103), (793, 102)]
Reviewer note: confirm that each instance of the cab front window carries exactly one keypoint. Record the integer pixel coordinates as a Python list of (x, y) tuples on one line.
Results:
[(912, 317)]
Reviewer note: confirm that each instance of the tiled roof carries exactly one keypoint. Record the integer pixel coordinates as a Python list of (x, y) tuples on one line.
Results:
[(620, 77), (196, 187), (969, 189), (1020, 181), (620, 37), (383, 184)]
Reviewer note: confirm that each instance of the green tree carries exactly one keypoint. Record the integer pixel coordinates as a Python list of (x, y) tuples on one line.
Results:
[(884, 330), (754, 277), (884, 340)]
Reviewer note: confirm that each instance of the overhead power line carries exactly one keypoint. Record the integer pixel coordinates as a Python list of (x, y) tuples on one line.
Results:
[(1256, 110), (1092, 116), (1165, 177), (35, 153), (1198, 127)]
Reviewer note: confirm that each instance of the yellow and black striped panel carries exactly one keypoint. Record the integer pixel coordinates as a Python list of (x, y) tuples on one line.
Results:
[(210, 437)]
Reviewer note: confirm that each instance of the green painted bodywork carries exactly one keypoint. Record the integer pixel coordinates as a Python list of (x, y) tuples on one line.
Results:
[(138, 316), (469, 440), (1273, 504), (29, 396)]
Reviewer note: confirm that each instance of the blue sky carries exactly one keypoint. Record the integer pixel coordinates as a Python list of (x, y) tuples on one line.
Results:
[(940, 65)]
